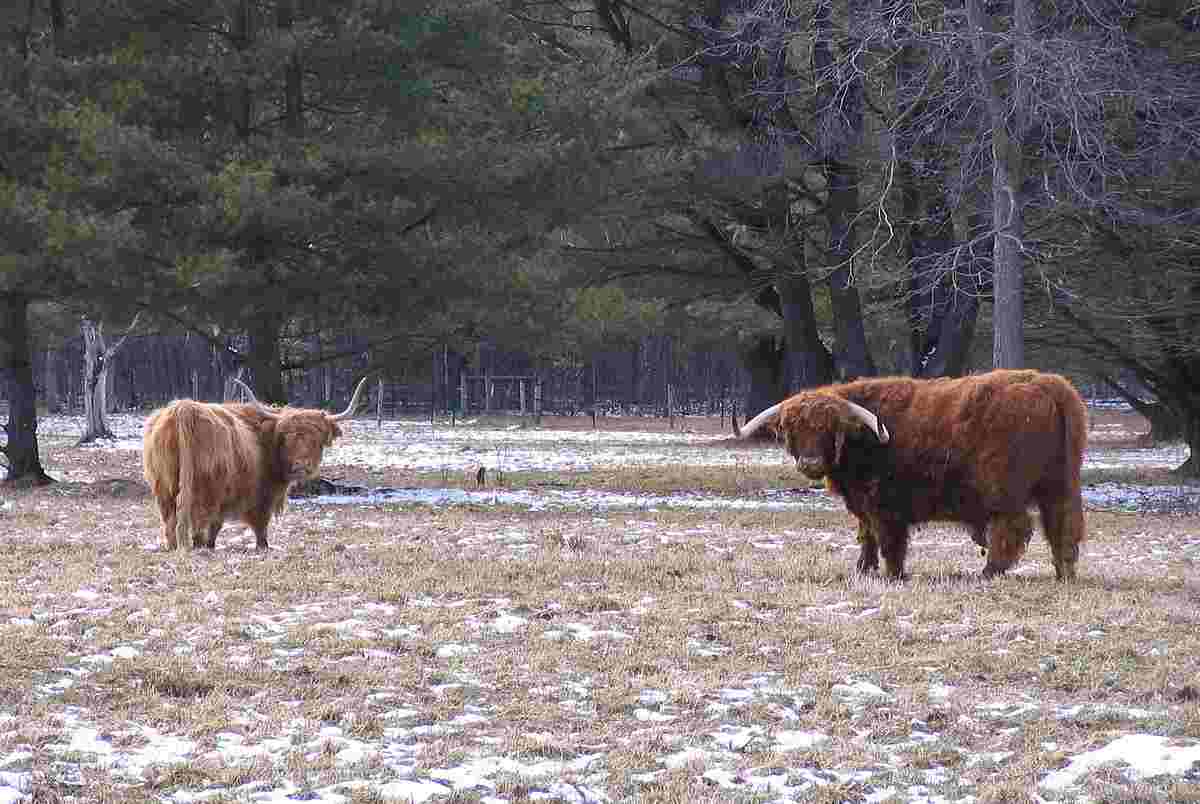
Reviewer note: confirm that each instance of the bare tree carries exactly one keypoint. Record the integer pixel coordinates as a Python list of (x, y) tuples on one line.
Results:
[(1000, 45), (97, 359), (996, 120)]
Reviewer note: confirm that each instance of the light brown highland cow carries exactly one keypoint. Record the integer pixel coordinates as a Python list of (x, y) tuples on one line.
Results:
[(208, 463), (978, 450)]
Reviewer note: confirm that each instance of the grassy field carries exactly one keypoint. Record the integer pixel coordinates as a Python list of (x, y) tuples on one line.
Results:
[(490, 652)]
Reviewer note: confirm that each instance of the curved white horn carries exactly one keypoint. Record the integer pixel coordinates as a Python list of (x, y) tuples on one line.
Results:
[(750, 427), (245, 388), (349, 411), (870, 420)]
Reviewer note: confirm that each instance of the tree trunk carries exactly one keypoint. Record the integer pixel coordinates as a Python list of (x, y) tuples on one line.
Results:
[(852, 355), (110, 389), (806, 361), (293, 87), (242, 97), (1190, 468), (21, 451), (595, 383), (949, 307), (50, 380), (840, 113), (97, 360), (264, 358), (955, 333), (764, 361), (1008, 312), (95, 382), (1003, 81), (1165, 423), (635, 373), (943, 301)]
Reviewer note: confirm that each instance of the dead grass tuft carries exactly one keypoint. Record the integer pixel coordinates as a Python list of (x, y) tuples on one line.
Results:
[(462, 633)]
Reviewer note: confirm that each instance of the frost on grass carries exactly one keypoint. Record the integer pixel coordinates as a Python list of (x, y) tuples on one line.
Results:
[(582, 646)]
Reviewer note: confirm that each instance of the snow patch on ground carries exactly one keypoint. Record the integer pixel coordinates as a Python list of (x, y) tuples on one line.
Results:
[(725, 754)]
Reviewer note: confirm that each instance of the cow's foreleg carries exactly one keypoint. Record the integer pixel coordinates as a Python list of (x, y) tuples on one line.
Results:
[(213, 530), (893, 543), (868, 547), (1008, 536), (258, 522), (1062, 522)]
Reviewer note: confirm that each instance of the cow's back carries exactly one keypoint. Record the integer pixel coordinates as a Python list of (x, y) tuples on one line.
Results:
[(975, 444)]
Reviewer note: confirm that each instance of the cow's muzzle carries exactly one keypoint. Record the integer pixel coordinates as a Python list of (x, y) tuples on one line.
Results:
[(812, 468)]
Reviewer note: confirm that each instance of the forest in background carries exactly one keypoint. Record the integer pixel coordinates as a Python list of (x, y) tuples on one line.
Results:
[(815, 190), (149, 371)]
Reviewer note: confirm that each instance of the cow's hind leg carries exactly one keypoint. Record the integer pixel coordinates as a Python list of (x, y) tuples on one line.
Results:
[(1008, 536), (166, 510), (197, 523), (185, 526), (1062, 522), (213, 530), (258, 523), (868, 547)]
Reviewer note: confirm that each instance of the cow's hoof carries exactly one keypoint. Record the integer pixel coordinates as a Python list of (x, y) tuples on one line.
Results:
[(867, 566), (1065, 574), (992, 571)]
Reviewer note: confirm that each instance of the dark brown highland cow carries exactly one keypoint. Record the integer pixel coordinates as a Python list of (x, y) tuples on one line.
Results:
[(978, 450), (207, 463)]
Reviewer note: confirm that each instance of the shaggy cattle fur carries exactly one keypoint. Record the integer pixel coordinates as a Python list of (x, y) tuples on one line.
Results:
[(207, 463), (980, 450)]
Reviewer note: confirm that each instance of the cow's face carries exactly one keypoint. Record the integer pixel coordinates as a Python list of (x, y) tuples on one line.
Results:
[(807, 436), (811, 450), (302, 439), (815, 430)]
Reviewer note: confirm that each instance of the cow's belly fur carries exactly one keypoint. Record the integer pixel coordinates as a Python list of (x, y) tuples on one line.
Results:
[(887, 504)]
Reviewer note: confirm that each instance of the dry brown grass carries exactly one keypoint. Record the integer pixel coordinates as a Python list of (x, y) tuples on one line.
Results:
[(733, 619)]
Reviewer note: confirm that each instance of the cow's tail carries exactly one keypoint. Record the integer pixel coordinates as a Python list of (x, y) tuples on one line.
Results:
[(1062, 515), (187, 422), (160, 459), (1074, 415)]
